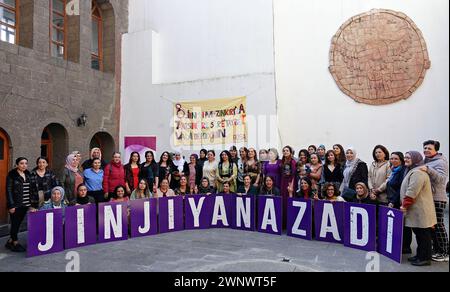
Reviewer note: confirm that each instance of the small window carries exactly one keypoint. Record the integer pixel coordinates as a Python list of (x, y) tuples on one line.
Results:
[(8, 21), (97, 36), (57, 28)]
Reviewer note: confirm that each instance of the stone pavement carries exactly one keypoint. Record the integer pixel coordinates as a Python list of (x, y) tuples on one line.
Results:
[(209, 251)]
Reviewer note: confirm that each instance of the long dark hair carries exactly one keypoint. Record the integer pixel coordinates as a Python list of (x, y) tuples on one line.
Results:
[(204, 151), (131, 158), (153, 155), (306, 153), (229, 157), (284, 161), (265, 182), (341, 158), (117, 189), (328, 162), (309, 182), (169, 160)]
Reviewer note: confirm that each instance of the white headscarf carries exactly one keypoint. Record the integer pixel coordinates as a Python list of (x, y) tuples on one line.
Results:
[(349, 166), (69, 161), (179, 163)]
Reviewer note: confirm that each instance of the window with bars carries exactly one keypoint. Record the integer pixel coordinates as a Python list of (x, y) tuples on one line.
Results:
[(58, 28), (8, 21), (97, 38)]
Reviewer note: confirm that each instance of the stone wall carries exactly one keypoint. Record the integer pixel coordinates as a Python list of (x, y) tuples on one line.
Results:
[(37, 90)]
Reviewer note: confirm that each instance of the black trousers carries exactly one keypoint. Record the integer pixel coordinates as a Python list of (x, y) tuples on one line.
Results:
[(99, 196), (424, 241), (16, 220)]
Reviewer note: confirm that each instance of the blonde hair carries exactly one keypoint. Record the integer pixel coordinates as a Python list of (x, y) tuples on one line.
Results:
[(363, 185)]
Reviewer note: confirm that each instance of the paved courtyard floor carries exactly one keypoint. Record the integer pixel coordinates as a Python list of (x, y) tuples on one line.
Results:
[(209, 251)]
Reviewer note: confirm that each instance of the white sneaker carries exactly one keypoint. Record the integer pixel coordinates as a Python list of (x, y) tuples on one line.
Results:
[(439, 258)]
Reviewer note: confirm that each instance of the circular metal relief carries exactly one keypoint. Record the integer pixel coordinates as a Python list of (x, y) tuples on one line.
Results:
[(379, 57)]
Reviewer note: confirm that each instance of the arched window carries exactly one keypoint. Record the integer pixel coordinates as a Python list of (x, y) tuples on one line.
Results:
[(8, 21), (97, 38), (58, 28)]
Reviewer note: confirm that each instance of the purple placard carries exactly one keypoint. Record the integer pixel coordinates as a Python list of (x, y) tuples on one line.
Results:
[(221, 206), (198, 212), (390, 233), (113, 222), (360, 226), (144, 217), (270, 215), (45, 232), (329, 221), (299, 218), (81, 226), (243, 213), (171, 214)]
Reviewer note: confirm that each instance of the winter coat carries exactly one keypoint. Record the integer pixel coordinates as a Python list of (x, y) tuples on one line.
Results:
[(114, 176), (438, 172), (378, 177), (14, 190), (422, 213)]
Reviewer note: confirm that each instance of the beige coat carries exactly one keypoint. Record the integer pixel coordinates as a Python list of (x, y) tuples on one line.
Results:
[(421, 214), (170, 193), (378, 178)]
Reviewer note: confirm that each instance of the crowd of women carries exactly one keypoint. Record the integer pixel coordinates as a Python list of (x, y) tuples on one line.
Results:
[(409, 182)]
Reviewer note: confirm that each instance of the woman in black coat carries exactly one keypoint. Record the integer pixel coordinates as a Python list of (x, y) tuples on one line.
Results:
[(21, 195), (44, 179)]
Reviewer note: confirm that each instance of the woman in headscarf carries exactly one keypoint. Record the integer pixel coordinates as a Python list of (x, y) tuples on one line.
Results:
[(71, 179), (205, 187), (56, 201), (363, 196), (418, 206), (355, 171), (181, 168)]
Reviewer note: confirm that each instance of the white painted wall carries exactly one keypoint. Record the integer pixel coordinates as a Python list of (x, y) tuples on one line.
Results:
[(203, 49), (193, 50), (310, 99)]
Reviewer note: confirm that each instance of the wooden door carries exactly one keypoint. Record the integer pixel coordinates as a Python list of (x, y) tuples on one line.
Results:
[(4, 168)]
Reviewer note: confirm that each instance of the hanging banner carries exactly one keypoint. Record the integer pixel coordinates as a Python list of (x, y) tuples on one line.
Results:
[(299, 218), (140, 145), (45, 232), (329, 221), (198, 212), (144, 214), (243, 213), (390, 233), (210, 122), (81, 226), (360, 230), (270, 215), (113, 222), (221, 211), (171, 214)]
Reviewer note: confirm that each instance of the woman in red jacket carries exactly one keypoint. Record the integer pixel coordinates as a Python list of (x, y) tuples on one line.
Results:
[(114, 175)]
